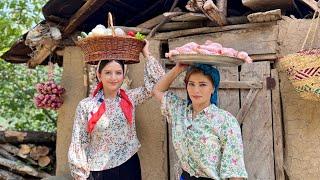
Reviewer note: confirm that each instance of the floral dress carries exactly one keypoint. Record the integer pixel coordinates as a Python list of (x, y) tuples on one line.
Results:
[(210, 145), (113, 140)]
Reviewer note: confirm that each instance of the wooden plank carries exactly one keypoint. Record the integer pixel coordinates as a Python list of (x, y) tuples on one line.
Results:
[(229, 97), (259, 40), (205, 30), (179, 83), (277, 128), (267, 4), (267, 16), (245, 106), (223, 7), (313, 4), (152, 22), (42, 53), (264, 57), (27, 137), (190, 17), (215, 14), (237, 20), (82, 14), (170, 15), (169, 26), (257, 125), (7, 175)]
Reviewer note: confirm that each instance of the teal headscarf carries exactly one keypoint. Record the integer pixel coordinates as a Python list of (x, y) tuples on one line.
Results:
[(215, 76)]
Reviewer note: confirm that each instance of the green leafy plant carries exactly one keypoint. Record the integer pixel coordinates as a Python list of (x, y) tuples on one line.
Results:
[(139, 36), (17, 110)]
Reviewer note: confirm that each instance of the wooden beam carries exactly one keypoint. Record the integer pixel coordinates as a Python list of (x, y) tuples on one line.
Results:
[(228, 85), (231, 21), (152, 22), (277, 128), (246, 105), (42, 53), (240, 84), (214, 13), (190, 17), (21, 59), (173, 14), (223, 7), (312, 4), (82, 14), (205, 30), (23, 168), (170, 26), (27, 137), (264, 57), (259, 5), (9, 175), (267, 16)]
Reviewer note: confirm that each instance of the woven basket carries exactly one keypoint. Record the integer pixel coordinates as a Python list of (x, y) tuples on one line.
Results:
[(111, 47), (303, 69)]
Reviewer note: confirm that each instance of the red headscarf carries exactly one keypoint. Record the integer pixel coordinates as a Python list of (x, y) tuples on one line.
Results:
[(125, 104)]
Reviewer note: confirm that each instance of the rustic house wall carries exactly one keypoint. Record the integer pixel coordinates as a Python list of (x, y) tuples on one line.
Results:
[(151, 126), (301, 117)]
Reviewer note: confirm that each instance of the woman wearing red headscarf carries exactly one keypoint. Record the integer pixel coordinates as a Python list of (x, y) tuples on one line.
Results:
[(104, 141)]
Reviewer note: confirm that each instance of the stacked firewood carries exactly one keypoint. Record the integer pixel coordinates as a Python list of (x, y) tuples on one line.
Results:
[(26, 155)]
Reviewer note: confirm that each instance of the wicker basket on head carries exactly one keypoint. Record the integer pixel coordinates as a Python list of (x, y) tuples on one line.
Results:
[(112, 47)]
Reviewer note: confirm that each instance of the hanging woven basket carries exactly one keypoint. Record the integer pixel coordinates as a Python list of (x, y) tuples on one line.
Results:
[(303, 69), (111, 47)]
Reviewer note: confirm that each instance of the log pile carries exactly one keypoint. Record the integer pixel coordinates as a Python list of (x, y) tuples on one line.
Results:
[(26, 155)]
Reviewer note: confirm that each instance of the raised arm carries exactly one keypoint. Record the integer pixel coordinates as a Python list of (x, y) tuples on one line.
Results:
[(165, 82), (153, 72)]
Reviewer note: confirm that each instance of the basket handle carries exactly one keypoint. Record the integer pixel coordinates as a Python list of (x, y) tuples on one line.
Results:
[(110, 24), (309, 30)]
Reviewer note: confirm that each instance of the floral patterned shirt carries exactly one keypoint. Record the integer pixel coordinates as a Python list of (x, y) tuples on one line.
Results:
[(210, 145), (113, 140)]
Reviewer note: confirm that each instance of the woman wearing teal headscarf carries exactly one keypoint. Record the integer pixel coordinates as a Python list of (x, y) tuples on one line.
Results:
[(206, 138)]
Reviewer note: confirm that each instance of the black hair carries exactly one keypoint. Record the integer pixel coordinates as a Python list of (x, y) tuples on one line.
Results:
[(103, 63)]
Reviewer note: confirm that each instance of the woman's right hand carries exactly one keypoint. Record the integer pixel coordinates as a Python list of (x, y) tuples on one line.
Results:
[(181, 67), (145, 50)]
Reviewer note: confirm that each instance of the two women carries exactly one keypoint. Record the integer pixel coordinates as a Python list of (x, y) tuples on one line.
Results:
[(104, 142), (207, 139)]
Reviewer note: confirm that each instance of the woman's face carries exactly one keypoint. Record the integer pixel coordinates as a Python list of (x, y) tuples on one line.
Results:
[(200, 88), (111, 76)]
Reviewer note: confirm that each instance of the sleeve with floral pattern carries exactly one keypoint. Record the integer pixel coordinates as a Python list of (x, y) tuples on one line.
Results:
[(77, 154), (172, 106), (153, 72), (232, 159)]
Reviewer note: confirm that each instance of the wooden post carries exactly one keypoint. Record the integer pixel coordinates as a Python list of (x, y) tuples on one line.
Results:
[(277, 128), (72, 81)]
